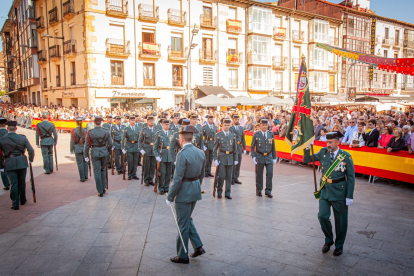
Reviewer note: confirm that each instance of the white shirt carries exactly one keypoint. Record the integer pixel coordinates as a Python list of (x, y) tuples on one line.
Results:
[(226, 133), (187, 144), (264, 134), (335, 153)]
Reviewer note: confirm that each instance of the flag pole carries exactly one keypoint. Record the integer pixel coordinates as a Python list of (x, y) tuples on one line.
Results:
[(314, 171)]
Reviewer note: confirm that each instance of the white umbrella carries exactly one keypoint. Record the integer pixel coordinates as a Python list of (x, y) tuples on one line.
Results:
[(288, 101), (213, 100), (272, 100), (241, 100)]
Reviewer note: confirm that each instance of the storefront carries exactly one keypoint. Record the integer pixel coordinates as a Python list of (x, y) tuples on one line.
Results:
[(127, 99)]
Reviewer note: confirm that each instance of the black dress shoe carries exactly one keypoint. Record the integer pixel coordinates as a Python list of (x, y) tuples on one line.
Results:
[(232, 182), (179, 260), (47, 172), (219, 196), (119, 173), (6, 188), (100, 195), (129, 178), (269, 195), (51, 171), (146, 184), (23, 202), (161, 193), (259, 194), (198, 252), (86, 178), (104, 191), (337, 252), (206, 175), (14, 208), (82, 180), (326, 247), (203, 192), (152, 183), (237, 182), (135, 177), (209, 174), (229, 197)]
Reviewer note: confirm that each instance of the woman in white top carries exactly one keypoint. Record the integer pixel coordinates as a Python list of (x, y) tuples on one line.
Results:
[(358, 136)]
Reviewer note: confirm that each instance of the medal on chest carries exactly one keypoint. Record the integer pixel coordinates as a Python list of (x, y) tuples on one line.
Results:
[(341, 167)]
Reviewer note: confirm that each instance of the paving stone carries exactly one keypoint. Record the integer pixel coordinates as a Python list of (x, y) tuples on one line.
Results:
[(34, 264), (91, 269), (99, 254), (126, 259), (122, 272)]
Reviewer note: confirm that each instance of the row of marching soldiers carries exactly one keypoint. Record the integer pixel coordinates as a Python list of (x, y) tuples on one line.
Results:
[(121, 143)]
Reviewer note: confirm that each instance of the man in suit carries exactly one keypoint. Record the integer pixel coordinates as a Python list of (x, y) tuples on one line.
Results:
[(4, 179), (99, 139), (371, 138), (13, 147), (117, 133), (162, 154), (185, 192), (209, 133), (77, 147), (337, 190), (145, 145), (264, 155), (45, 130), (317, 127), (130, 147), (283, 127), (241, 146)]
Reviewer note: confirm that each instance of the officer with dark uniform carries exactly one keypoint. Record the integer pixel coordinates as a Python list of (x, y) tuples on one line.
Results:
[(4, 179), (145, 146), (139, 125), (130, 147), (225, 156), (108, 126), (77, 146), (125, 123), (45, 130), (162, 154), (13, 147), (99, 139), (175, 146), (264, 155), (209, 133), (185, 192), (338, 183), (198, 141), (174, 125), (238, 130), (117, 132)]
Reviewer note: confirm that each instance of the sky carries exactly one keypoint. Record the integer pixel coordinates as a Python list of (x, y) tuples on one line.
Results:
[(398, 9)]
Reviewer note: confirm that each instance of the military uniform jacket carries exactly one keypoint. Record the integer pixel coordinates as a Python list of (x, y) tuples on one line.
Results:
[(225, 148), (263, 148), (76, 145), (240, 138), (108, 126), (3, 131), (164, 139), (90, 126), (335, 191), (208, 136), (146, 140), (100, 140), (158, 127), (190, 163), (117, 132), (175, 146), (174, 128), (13, 147), (44, 131), (198, 140), (130, 139)]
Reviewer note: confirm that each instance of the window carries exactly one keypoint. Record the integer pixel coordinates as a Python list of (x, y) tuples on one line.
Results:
[(117, 72), (259, 78), (385, 53), (57, 75), (387, 33), (260, 20), (232, 13), (73, 73), (149, 74), (331, 83), (207, 50), (278, 55), (232, 46), (260, 49), (278, 22), (332, 36), (207, 16), (320, 58), (278, 81), (148, 36), (320, 31), (176, 45), (177, 75), (233, 78), (320, 81)]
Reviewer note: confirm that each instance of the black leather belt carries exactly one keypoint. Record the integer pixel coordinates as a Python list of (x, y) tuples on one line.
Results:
[(333, 181), (43, 137), (263, 153), (133, 142), (226, 152), (118, 141), (148, 143), (191, 179), (166, 148), (14, 155)]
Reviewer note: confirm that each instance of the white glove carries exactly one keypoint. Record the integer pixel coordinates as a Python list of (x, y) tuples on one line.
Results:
[(142, 152), (349, 201), (113, 148), (71, 152), (274, 161), (1, 170), (255, 160), (236, 162), (124, 151), (216, 162), (205, 148), (86, 159), (38, 146), (169, 203), (158, 159), (174, 163), (244, 152)]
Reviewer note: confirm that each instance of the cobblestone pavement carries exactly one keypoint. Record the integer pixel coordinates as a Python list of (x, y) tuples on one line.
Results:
[(130, 231)]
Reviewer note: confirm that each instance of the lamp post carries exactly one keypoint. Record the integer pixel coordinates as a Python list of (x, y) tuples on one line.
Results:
[(187, 104), (347, 82), (63, 56)]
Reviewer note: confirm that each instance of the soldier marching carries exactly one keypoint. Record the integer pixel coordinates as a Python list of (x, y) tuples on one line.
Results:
[(46, 131), (77, 147), (130, 147)]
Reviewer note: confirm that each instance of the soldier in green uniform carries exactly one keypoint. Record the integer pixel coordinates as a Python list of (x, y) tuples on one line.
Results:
[(238, 130), (209, 133), (162, 154), (77, 142), (125, 123), (4, 179), (175, 146), (185, 192), (99, 139), (117, 132), (130, 147), (108, 126), (174, 125), (13, 147), (45, 130), (139, 125), (337, 190), (145, 145), (264, 155), (225, 156)]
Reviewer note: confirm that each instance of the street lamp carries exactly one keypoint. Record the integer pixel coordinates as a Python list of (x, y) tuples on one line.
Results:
[(187, 103)]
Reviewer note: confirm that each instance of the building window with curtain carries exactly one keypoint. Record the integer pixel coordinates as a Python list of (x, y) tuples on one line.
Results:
[(177, 75), (233, 80), (117, 72), (278, 81), (259, 78), (149, 74), (260, 49)]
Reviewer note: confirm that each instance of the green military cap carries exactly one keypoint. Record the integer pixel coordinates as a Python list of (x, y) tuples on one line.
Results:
[(79, 119), (226, 121), (118, 118), (108, 116), (154, 114), (235, 116), (188, 129), (98, 119), (334, 135), (11, 123), (149, 117), (264, 121), (165, 121), (3, 121), (210, 116), (193, 116), (176, 115), (126, 116), (184, 122), (132, 117)]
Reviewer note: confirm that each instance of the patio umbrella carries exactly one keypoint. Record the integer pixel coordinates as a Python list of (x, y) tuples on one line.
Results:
[(272, 100), (213, 100), (241, 100)]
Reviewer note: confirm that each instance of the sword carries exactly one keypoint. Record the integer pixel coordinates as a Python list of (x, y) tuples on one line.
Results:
[(57, 168), (32, 182), (178, 229)]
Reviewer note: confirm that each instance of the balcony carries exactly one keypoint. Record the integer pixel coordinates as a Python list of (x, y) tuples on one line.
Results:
[(117, 47), (8, 47), (68, 9), (176, 17), (259, 59), (387, 42), (149, 82), (31, 13), (279, 33), (44, 83), (234, 58), (398, 43), (72, 78), (178, 81), (117, 8), (149, 50), (333, 67), (208, 22), (117, 79), (57, 81), (10, 64), (408, 43), (148, 13), (259, 85), (69, 47), (177, 55), (298, 36), (318, 37), (208, 56), (234, 26), (279, 63), (295, 63), (333, 41), (12, 85), (54, 52), (53, 18), (40, 23), (41, 56), (407, 86)]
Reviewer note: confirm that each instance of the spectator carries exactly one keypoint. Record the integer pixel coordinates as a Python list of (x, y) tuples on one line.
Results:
[(338, 128), (385, 137), (397, 143), (274, 127), (249, 124), (380, 128), (323, 135), (394, 124), (358, 136), (283, 128), (410, 141), (406, 132), (410, 123), (317, 128), (371, 138), (347, 139)]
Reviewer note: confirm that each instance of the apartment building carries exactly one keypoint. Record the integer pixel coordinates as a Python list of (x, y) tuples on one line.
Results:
[(407, 85), (2, 74), (19, 38)]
